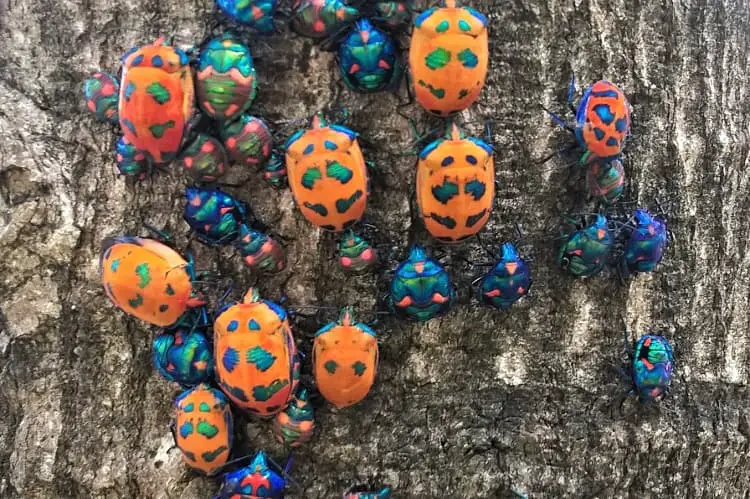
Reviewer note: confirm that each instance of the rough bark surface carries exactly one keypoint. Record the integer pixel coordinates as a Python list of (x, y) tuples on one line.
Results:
[(475, 403)]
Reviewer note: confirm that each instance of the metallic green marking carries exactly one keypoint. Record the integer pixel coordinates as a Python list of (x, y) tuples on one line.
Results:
[(438, 58), (137, 301), (143, 274), (442, 27), (331, 366), (311, 176), (359, 368), (158, 92), (207, 429), (158, 131)]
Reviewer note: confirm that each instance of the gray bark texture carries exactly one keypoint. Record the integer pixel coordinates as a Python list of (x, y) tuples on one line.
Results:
[(473, 404)]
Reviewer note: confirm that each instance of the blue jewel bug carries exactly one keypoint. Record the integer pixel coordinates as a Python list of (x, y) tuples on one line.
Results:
[(646, 245), (507, 282), (183, 355), (421, 288), (368, 59), (651, 368), (215, 216), (256, 480), (254, 14), (586, 251)]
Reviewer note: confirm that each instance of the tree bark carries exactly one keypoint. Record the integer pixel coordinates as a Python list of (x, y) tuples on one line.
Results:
[(473, 404)]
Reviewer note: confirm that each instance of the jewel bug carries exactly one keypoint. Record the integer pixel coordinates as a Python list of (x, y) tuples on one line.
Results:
[(248, 140), (652, 363), (585, 252), (129, 161), (260, 251), (455, 185), (274, 171), (507, 282), (355, 254), (356, 493), (184, 356), (215, 216), (203, 428), (421, 288), (256, 480), (101, 93), (254, 14), (646, 244), (156, 99), (204, 159), (147, 279), (295, 425), (345, 360), (368, 59), (321, 18), (605, 180), (225, 83), (255, 356), (448, 57), (328, 175), (602, 120)]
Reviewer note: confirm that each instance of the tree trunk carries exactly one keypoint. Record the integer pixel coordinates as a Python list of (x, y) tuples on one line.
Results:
[(473, 404)]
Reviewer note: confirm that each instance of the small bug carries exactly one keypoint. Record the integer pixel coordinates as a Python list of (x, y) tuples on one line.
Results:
[(455, 186), (356, 256), (321, 18), (130, 162), (255, 355), (295, 425), (368, 59), (156, 99), (215, 216), (586, 251), (203, 428), (260, 251), (327, 175), (205, 159), (652, 365), (345, 360), (448, 58), (101, 94), (421, 288), (147, 279), (248, 140), (507, 282), (356, 493), (602, 121), (605, 180), (256, 480), (183, 356), (226, 83), (646, 245), (274, 172), (255, 14)]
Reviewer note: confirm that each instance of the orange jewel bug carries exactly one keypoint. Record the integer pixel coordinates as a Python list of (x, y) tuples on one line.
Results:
[(328, 175), (455, 185), (156, 99), (345, 360), (448, 57), (203, 428), (255, 356), (147, 279)]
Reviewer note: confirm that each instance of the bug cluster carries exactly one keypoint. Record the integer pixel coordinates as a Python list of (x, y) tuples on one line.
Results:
[(240, 357)]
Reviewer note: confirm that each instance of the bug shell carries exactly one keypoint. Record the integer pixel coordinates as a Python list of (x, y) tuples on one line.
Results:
[(455, 186), (421, 288), (295, 425), (653, 362), (147, 279), (184, 357), (129, 161), (345, 360), (603, 120), (226, 83), (448, 58), (384, 493), (255, 14), (274, 172), (507, 282), (156, 99), (327, 175), (368, 59), (215, 216), (205, 159), (606, 180), (646, 245), (101, 93), (260, 251), (356, 256), (255, 355), (204, 428), (256, 480), (321, 18), (248, 140), (586, 251)]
